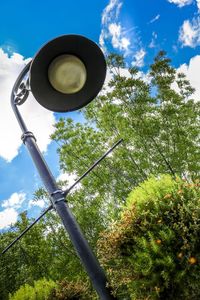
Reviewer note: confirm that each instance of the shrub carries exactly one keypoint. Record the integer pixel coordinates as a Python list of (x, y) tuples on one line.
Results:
[(77, 290), (39, 291), (153, 251), (44, 289)]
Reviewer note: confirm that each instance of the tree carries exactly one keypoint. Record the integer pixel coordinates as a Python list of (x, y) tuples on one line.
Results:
[(44, 252), (160, 127), (24, 262), (30, 259)]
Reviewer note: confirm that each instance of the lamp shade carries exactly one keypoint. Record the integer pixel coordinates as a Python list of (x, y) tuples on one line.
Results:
[(67, 73)]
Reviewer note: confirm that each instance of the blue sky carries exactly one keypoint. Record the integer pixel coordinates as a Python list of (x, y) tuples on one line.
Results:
[(136, 29)]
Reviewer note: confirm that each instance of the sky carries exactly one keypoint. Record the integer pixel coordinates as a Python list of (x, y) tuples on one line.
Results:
[(136, 29)]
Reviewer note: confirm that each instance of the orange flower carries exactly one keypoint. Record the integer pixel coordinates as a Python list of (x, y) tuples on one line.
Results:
[(167, 196), (180, 192), (192, 260), (180, 255), (158, 242), (157, 289)]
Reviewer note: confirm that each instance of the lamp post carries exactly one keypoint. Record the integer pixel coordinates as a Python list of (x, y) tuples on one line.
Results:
[(66, 74)]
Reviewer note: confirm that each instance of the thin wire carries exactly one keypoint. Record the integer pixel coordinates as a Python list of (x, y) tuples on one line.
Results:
[(26, 230), (117, 171), (93, 166), (72, 154)]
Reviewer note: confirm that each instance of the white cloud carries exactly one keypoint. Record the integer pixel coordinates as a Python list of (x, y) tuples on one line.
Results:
[(112, 30), (38, 119), (8, 217), (139, 58), (40, 203), (189, 34), (157, 17), (181, 3), (118, 40), (192, 72), (153, 40), (198, 4), (111, 11), (115, 32), (15, 200), (69, 178), (119, 37), (10, 206)]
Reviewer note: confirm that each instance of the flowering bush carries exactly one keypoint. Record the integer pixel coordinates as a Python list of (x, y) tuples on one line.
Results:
[(153, 252), (44, 289), (66, 290)]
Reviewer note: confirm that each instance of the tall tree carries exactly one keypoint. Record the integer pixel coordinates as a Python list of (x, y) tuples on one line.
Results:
[(159, 124), (28, 260)]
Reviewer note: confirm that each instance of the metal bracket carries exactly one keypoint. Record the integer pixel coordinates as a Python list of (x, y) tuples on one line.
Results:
[(27, 134), (21, 96), (59, 199), (56, 192)]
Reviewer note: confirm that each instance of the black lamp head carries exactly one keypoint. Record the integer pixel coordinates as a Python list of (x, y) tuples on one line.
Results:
[(67, 73)]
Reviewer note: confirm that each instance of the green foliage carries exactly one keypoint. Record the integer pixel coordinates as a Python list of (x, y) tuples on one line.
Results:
[(152, 118), (45, 251), (39, 291), (160, 127), (153, 251), (44, 289)]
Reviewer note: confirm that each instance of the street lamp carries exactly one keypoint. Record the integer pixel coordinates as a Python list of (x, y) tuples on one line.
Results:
[(66, 74)]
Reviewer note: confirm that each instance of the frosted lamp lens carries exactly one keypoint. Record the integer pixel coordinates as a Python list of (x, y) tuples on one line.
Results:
[(67, 74)]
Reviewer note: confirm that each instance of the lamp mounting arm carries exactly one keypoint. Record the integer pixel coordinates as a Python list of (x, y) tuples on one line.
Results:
[(19, 95), (21, 88)]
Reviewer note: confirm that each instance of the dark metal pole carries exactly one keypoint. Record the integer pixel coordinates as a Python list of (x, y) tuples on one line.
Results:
[(89, 261)]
